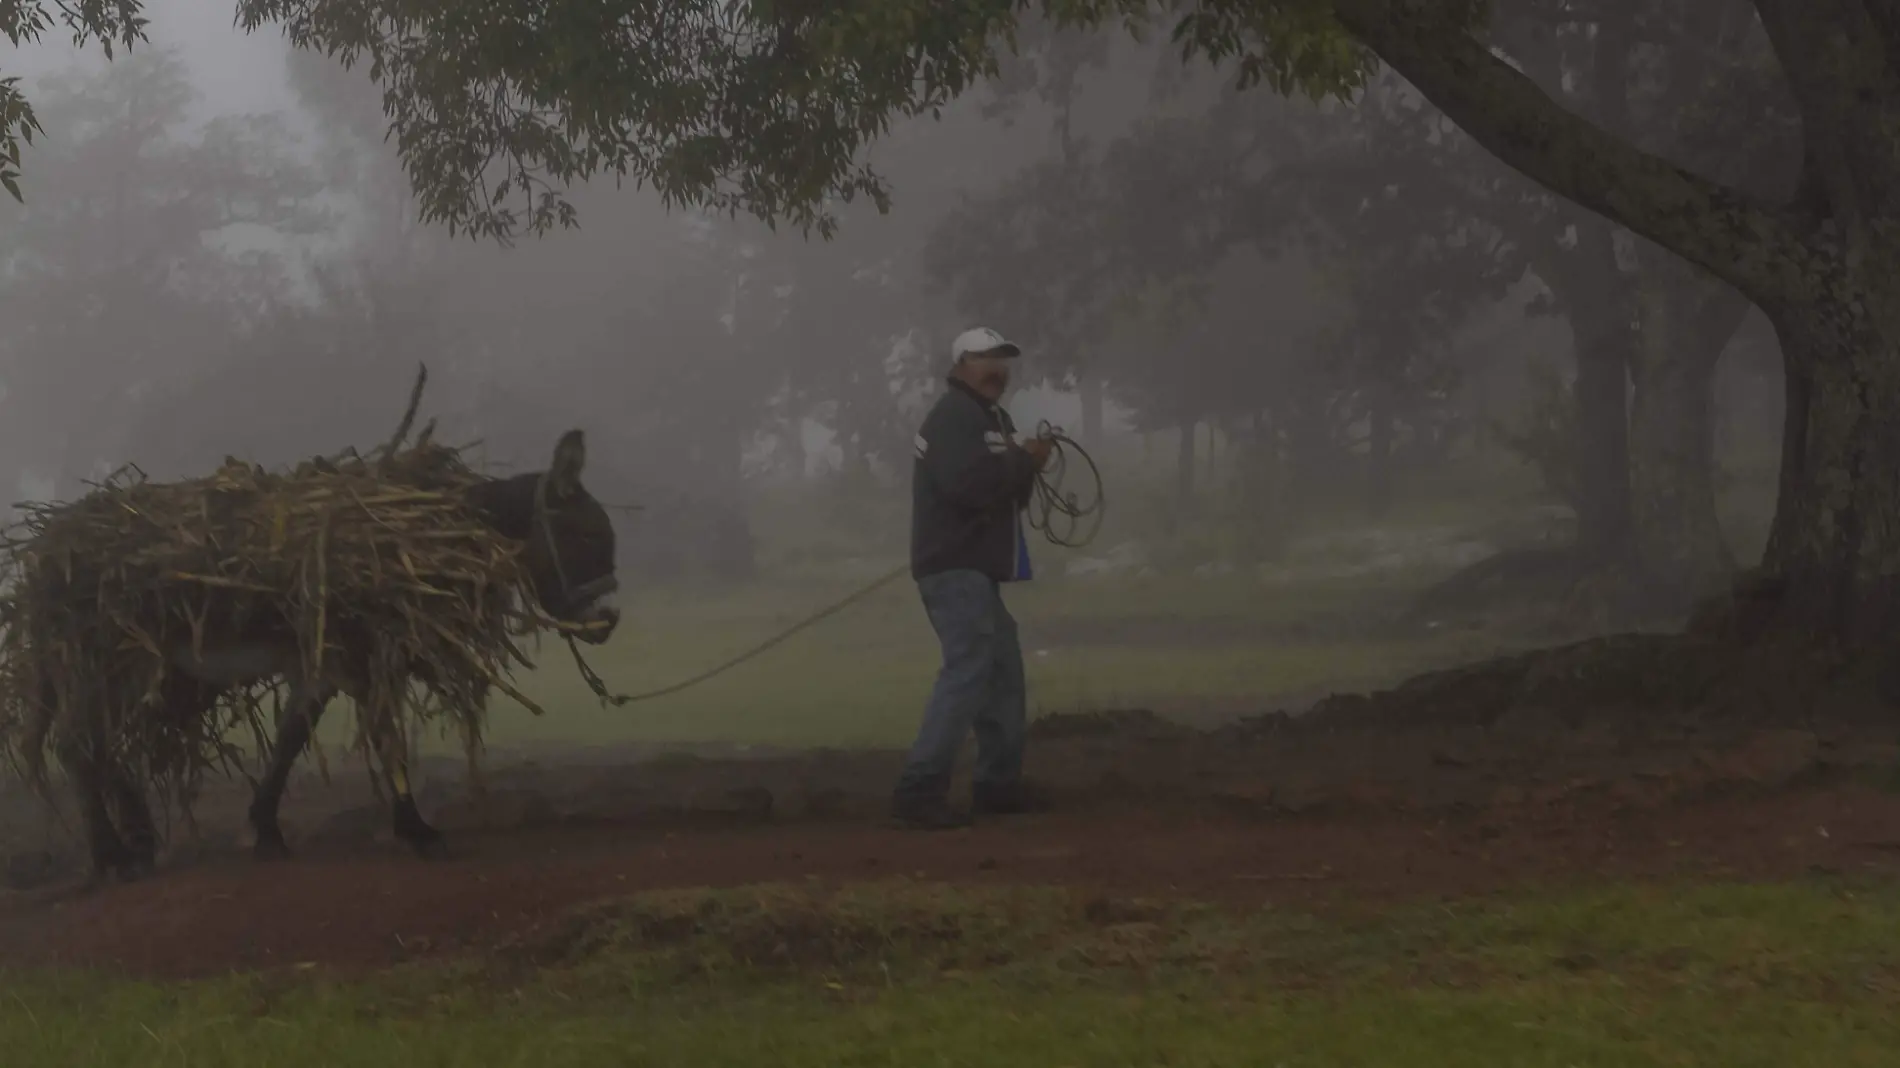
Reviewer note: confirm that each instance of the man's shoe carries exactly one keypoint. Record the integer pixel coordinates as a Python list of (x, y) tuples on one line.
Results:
[(928, 816), (1014, 800)]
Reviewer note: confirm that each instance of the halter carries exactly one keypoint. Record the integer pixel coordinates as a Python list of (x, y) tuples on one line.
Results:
[(570, 596)]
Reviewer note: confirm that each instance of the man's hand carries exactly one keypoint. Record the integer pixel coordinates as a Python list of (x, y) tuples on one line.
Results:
[(1038, 450)]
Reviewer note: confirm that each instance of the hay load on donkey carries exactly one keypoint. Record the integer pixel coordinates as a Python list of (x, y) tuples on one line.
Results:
[(149, 626)]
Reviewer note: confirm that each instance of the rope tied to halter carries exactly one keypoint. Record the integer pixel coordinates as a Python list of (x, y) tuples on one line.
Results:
[(1064, 518)]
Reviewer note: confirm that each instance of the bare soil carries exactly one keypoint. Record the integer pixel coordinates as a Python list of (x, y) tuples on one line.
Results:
[(1360, 803)]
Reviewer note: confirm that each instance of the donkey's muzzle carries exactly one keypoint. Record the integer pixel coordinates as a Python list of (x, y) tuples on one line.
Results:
[(591, 608)]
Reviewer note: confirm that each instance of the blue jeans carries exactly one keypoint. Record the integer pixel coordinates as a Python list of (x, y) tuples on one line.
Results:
[(981, 686)]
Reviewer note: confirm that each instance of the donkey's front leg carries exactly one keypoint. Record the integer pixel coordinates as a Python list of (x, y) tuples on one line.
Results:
[(407, 819)]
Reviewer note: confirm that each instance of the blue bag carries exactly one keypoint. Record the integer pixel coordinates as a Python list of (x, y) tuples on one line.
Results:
[(1023, 570)]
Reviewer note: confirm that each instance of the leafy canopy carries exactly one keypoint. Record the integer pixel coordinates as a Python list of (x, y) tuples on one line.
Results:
[(497, 107)]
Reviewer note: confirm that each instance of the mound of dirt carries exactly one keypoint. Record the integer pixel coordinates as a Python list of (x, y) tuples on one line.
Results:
[(1128, 723), (1602, 680), (1638, 684)]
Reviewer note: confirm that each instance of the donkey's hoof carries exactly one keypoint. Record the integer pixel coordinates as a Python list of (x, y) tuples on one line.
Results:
[(113, 865)]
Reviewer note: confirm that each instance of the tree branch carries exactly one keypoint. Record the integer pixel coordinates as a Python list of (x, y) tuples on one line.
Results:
[(1760, 249)]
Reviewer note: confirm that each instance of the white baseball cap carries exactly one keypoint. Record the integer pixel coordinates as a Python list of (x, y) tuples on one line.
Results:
[(982, 341)]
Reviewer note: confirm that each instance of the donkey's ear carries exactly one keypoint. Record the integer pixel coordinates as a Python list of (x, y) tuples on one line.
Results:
[(570, 455)]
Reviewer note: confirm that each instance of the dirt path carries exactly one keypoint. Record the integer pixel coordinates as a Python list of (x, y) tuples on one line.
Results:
[(367, 905), (1265, 811)]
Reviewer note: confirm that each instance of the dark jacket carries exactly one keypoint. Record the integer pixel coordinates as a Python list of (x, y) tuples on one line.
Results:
[(968, 486)]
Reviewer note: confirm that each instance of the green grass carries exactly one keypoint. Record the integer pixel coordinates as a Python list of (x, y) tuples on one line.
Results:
[(1197, 648), (902, 974), (1181, 645)]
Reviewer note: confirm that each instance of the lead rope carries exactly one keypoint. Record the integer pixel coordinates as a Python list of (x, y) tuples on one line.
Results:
[(599, 685), (1048, 505)]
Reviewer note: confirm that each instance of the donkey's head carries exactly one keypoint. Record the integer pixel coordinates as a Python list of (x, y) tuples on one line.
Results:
[(570, 539)]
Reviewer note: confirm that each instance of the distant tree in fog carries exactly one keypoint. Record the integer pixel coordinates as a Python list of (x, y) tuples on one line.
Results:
[(1397, 208), (848, 336), (127, 271), (326, 363), (1372, 198), (306, 378)]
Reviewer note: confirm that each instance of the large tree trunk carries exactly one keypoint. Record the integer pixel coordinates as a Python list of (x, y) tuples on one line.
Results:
[(1797, 388), (1836, 543), (1597, 301), (1678, 534), (1820, 264)]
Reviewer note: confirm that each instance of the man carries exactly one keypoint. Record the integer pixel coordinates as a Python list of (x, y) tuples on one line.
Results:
[(971, 481)]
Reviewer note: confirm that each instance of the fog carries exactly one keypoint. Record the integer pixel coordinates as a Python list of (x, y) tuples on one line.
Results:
[(1458, 645), (1284, 329)]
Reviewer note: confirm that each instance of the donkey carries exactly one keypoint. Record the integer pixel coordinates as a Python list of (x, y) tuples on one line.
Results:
[(569, 555)]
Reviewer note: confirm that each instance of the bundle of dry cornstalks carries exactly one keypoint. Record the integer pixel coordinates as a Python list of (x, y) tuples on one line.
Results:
[(374, 559)]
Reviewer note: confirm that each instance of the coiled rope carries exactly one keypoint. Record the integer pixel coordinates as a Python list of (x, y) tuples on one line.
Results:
[(1051, 508), (1063, 517)]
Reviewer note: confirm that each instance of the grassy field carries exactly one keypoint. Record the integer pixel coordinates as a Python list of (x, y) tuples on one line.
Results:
[(902, 974), (1190, 645), (1185, 646), (1195, 646)]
